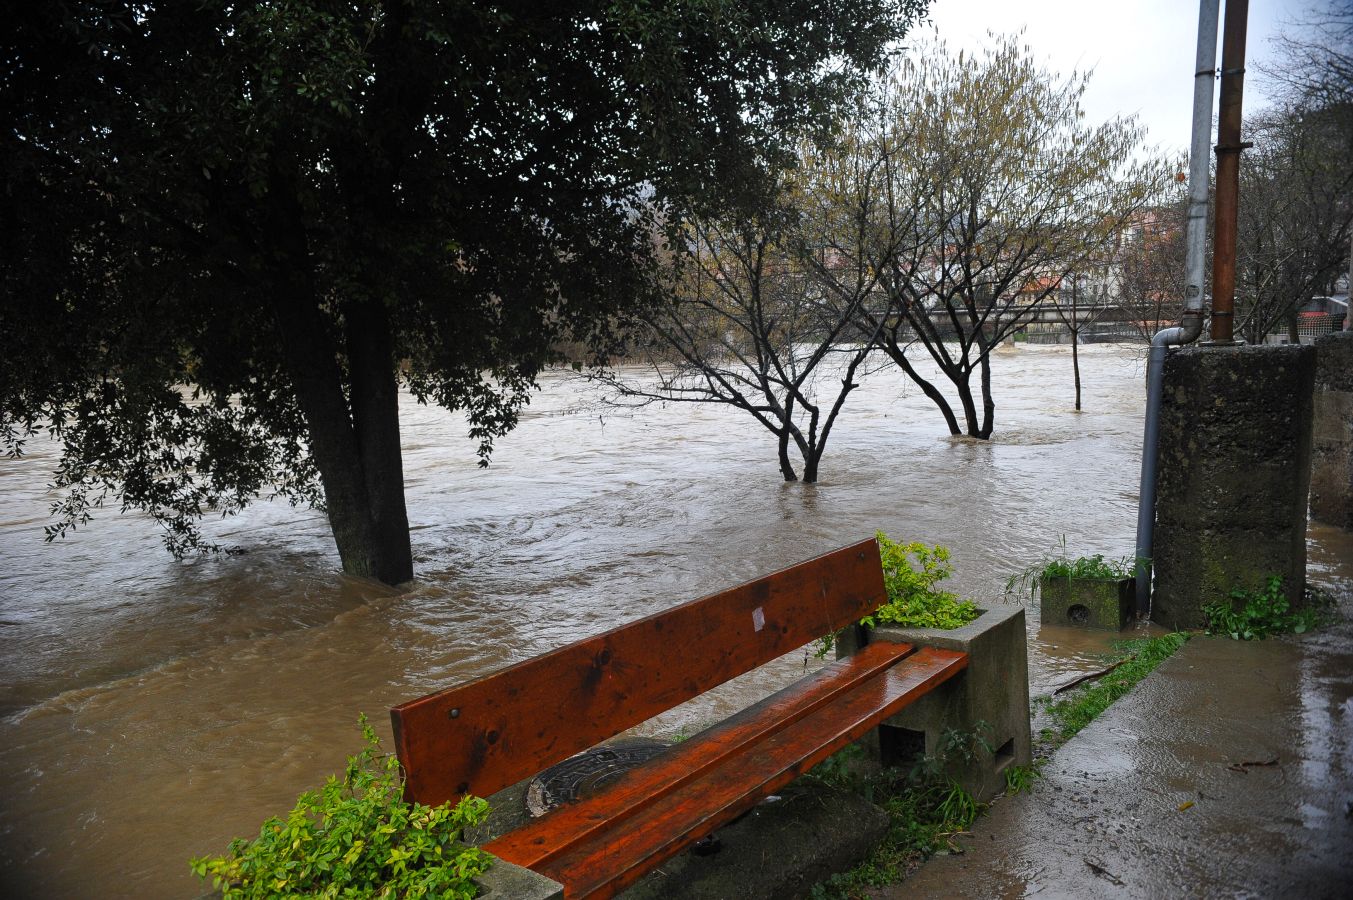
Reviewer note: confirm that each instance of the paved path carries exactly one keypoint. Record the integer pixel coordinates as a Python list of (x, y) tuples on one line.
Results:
[(1155, 798)]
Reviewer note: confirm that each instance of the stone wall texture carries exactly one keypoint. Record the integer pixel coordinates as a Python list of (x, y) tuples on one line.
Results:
[(1332, 432), (1234, 472)]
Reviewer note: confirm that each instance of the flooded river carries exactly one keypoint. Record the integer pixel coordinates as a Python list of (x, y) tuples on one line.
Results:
[(155, 709)]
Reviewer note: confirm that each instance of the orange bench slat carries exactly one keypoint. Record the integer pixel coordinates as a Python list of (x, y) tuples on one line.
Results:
[(493, 732), (609, 861), (542, 839)]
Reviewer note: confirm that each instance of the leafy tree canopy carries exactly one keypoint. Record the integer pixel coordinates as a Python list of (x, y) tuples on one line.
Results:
[(232, 227)]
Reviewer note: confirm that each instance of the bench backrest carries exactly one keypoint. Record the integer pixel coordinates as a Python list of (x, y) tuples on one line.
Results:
[(497, 730)]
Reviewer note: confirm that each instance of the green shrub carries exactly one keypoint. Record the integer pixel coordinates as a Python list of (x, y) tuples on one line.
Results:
[(913, 599), (1249, 615), (1089, 567), (925, 808), (1019, 779), (356, 838), (1062, 566)]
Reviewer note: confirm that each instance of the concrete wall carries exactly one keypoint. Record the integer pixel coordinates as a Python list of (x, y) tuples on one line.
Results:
[(1235, 455), (992, 693), (1332, 433)]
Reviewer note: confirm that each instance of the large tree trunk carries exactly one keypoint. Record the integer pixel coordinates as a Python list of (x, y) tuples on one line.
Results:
[(810, 465), (963, 383), (374, 395), (354, 440), (313, 366), (988, 403)]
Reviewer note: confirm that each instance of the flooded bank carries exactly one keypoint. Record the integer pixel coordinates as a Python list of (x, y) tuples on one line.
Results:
[(156, 709)]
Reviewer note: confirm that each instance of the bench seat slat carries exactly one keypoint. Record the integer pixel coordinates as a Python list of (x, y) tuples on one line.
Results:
[(611, 860), (551, 835), (492, 732)]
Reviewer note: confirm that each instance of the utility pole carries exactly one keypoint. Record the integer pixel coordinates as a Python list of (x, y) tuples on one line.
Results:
[(1228, 150)]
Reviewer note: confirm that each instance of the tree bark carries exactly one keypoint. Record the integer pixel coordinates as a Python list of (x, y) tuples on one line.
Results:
[(810, 465), (312, 364), (786, 467), (1076, 368), (355, 448), (928, 388), (988, 404), (375, 416)]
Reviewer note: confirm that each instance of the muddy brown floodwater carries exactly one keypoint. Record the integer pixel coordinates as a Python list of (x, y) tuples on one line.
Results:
[(154, 709)]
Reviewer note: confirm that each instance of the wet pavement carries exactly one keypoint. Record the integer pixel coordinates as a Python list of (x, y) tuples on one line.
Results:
[(1228, 772)]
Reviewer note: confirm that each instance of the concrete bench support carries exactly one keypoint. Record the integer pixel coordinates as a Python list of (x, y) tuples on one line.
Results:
[(994, 691)]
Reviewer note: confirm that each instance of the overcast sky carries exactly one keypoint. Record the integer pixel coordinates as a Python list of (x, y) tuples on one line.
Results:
[(1142, 51)]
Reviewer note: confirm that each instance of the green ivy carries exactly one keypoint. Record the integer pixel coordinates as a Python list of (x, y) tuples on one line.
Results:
[(1254, 615), (356, 838), (926, 807), (1089, 567), (910, 573), (1063, 566)]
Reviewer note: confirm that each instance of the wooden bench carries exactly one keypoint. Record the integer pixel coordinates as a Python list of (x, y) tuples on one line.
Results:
[(500, 729)]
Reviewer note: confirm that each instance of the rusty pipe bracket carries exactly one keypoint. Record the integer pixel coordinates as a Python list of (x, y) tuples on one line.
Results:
[(1233, 148)]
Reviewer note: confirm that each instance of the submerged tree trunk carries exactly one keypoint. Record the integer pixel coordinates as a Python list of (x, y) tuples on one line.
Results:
[(374, 395), (1076, 369), (353, 438), (313, 367), (896, 354), (810, 466), (786, 467)]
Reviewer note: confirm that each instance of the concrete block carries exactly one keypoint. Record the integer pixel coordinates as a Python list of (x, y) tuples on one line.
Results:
[(1332, 431), (1086, 602), (506, 881), (994, 690), (1235, 457), (778, 850)]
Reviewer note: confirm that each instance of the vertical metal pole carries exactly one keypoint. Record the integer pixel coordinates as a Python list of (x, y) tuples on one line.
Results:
[(1195, 269), (1228, 171)]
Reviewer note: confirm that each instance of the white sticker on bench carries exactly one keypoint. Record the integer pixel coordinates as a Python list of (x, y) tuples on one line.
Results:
[(758, 619)]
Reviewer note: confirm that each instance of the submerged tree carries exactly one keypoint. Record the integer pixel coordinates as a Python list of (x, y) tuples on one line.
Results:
[(234, 229), (1081, 299), (763, 311), (1005, 190)]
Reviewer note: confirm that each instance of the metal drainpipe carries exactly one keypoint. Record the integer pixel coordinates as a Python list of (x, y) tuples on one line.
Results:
[(1192, 322)]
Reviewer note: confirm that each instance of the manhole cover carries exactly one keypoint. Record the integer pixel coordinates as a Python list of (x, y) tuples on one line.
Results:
[(583, 775)]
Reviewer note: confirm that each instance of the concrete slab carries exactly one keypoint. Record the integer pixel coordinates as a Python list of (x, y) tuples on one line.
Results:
[(1155, 798), (508, 882)]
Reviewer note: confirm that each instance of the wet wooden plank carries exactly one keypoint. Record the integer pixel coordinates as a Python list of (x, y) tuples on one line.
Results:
[(497, 730), (610, 861), (545, 838)]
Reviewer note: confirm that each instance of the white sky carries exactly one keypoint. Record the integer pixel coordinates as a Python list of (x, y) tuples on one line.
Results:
[(1142, 51)]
